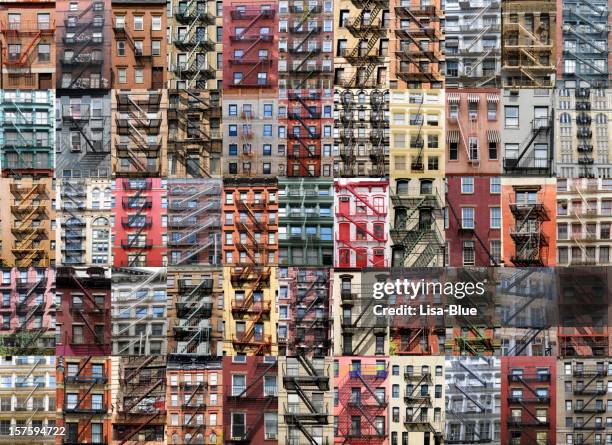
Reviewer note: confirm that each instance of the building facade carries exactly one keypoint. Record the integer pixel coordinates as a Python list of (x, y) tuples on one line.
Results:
[(581, 132), (528, 399), (194, 222), (139, 50), (27, 133), (28, 311), (84, 230), (139, 312), (84, 311), (361, 232), (305, 71), (139, 399), (417, 177), (361, 132), (529, 47), (26, 225), (195, 326), (417, 400), (84, 398), (83, 37), (194, 133), (305, 400), (416, 45), (250, 222), (252, 142), (527, 133), (140, 218), (140, 126), (584, 383), (361, 389), (473, 205), (250, 310), (195, 53), (472, 44), (529, 235), (29, 396), (304, 312), (585, 35), (473, 400), (195, 401), (83, 136), (305, 232), (27, 34), (357, 330), (250, 399)]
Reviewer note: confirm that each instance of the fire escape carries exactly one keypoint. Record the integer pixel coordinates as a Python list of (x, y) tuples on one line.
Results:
[(194, 229), (142, 56), (528, 59), (88, 310), (376, 239), (305, 71), (353, 132), (25, 336), (481, 20), (190, 134), (249, 58), (77, 119), (193, 67), (29, 210), (477, 384), (527, 163), (141, 411), (586, 22), (524, 295), (584, 133), (83, 412), (136, 225), (415, 419), (419, 54), (417, 238), (83, 49), (583, 306), (369, 28), (358, 398), (138, 296), (73, 235), (589, 388), (525, 401), (315, 415), (252, 395), (193, 396), (36, 387), (309, 328), (192, 330), (28, 35), (530, 241), (358, 319), (138, 123), (252, 309)]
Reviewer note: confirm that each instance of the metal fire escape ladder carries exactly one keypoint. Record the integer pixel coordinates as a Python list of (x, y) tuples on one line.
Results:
[(139, 428), (468, 396), (520, 346)]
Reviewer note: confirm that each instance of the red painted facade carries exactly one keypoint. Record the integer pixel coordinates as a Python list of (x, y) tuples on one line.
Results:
[(528, 391), (481, 234), (27, 308), (83, 313), (361, 233), (140, 223), (367, 376), (247, 400), (250, 45)]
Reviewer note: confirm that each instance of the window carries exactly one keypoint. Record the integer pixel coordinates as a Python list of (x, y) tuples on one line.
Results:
[(138, 23), (238, 384), (495, 185), (44, 50), (138, 75), (495, 217), (270, 426), (467, 185), (122, 75), (511, 116), (467, 217), (156, 23), (238, 426)]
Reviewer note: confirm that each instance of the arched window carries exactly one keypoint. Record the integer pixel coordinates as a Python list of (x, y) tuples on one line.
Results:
[(175, 439), (100, 222)]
